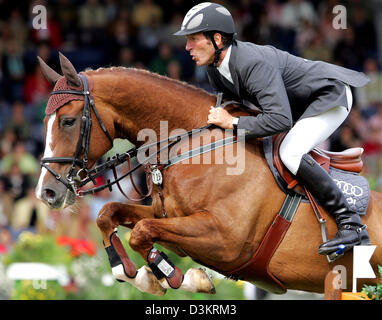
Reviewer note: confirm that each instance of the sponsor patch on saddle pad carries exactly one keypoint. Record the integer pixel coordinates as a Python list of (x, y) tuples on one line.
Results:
[(355, 188)]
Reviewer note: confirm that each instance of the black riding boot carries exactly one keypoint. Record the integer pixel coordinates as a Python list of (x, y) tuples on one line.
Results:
[(351, 231)]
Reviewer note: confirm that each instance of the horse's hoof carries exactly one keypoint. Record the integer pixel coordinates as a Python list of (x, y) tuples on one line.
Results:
[(197, 280), (151, 283), (144, 281)]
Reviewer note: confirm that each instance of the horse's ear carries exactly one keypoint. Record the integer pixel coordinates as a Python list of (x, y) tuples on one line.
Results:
[(50, 75), (69, 71)]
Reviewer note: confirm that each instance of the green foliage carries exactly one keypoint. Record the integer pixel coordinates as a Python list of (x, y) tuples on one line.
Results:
[(25, 290), (93, 277), (36, 248), (374, 292), (89, 272)]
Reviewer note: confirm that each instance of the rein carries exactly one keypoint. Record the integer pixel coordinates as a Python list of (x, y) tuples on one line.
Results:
[(74, 182)]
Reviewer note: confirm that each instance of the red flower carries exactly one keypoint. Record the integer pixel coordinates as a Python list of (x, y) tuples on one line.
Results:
[(77, 246)]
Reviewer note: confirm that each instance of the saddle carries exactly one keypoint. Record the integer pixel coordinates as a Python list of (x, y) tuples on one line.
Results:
[(256, 270), (347, 160)]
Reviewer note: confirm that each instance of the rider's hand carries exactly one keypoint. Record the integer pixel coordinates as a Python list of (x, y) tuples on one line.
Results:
[(220, 117)]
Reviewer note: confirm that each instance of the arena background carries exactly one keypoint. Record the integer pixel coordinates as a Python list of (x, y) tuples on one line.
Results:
[(94, 33)]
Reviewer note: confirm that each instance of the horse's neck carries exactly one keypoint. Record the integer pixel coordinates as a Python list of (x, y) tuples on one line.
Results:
[(143, 100)]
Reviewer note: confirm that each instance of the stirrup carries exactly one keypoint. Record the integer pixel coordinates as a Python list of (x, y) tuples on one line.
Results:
[(337, 254)]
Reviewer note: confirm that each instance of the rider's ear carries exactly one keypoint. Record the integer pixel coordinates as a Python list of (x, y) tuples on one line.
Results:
[(69, 72), (50, 75)]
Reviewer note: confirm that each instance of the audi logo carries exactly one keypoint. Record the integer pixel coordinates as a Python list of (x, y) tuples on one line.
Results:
[(348, 189)]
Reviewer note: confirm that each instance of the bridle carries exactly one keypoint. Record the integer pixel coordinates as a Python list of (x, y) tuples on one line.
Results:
[(74, 182), (71, 179)]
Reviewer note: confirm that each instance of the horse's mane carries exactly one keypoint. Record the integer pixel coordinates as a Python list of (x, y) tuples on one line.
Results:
[(152, 75)]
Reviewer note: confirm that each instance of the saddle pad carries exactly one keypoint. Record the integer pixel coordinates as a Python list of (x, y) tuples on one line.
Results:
[(354, 186)]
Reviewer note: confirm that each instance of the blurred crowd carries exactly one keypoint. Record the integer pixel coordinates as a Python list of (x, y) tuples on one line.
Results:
[(131, 33)]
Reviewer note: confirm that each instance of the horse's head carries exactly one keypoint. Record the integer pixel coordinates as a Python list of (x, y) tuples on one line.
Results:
[(77, 135)]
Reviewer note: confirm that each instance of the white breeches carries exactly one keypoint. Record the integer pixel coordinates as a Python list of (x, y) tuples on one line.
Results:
[(307, 133)]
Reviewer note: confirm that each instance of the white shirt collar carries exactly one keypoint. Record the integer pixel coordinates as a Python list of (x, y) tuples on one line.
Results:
[(224, 66)]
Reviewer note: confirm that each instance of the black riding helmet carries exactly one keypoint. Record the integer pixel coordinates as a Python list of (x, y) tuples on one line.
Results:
[(208, 16)]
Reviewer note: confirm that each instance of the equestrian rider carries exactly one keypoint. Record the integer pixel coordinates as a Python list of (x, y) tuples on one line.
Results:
[(309, 98)]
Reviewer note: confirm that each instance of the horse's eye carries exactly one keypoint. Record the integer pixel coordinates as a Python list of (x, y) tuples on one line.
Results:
[(68, 122)]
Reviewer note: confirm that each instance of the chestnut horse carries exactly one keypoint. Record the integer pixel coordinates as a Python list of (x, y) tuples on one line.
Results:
[(217, 219)]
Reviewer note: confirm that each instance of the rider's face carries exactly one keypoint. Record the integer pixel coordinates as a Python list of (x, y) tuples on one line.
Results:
[(201, 49)]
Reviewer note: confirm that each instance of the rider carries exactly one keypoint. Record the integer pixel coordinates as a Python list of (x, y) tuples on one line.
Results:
[(309, 98)]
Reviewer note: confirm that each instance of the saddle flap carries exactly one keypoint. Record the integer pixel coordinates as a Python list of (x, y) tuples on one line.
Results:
[(347, 160)]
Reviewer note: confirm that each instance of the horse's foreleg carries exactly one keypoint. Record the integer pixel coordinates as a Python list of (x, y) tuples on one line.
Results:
[(109, 218), (114, 214), (192, 233)]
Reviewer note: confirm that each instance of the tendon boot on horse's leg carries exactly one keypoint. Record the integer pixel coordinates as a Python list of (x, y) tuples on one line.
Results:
[(162, 268), (124, 269), (351, 231), (120, 262)]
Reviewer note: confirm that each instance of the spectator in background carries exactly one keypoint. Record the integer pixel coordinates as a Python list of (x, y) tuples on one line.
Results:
[(126, 57), (16, 183), (346, 52), (364, 31), (7, 141), (120, 37), (6, 240), (26, 162), (92, 20), (175, 42), (17, 27), (145, 12), (372, 92), (5, 114), (345, 138), (30, 214), (374, 124), (66, 15), (150, 35), (357, 122), (111, 10), (36, 88), (332, 35), (174, 70), (162, 59), (18, 123), (295, 12), (273, 12), (317, 50), (6, 205), (14, 69), (305, 37)]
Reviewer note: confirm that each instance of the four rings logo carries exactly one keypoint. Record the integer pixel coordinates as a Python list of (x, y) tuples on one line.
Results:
[(349, 190)]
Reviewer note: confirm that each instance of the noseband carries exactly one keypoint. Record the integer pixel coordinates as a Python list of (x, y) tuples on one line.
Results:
[(83, 141)]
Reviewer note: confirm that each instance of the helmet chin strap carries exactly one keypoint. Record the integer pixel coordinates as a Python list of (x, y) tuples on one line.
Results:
[(217, 52)]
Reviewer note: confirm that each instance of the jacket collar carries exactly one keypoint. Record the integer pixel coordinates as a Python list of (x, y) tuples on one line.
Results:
[(232, 69)]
